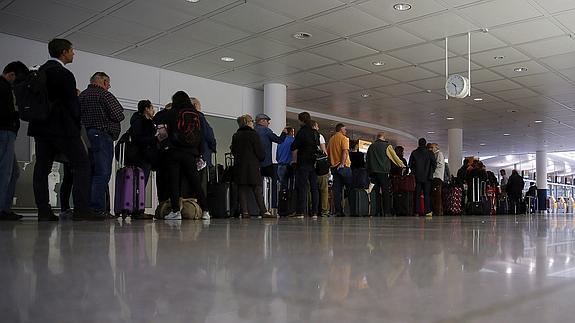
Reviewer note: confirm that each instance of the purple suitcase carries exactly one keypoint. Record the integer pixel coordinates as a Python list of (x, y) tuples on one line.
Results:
[(130, 195)]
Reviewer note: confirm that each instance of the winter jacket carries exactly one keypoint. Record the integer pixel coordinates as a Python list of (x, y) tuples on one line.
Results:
[(422, 164), (515, 186), (248, 154), (143, 134), (306, 143)]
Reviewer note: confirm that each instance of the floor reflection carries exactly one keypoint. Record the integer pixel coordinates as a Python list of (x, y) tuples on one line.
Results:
[(447, 269)]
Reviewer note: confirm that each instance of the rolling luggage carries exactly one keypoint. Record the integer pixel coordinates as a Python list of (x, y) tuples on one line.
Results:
[(403, 183), (374, 206), (130, 194), (358, 200), (502, 205), (453, 200), (479, 205), (287, 201), (491, 195), (360, 178), (403, 203), (218, 195)]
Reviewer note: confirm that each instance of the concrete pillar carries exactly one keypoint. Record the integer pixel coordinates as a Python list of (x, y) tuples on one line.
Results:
[(455, 149), (541, 173), (275, 100)]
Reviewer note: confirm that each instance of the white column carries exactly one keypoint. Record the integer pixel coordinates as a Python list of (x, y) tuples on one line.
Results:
[(541, 173), (275, 100), (455, 149)]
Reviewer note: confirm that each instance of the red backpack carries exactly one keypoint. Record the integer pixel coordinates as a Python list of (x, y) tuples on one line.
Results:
[(188, 128)]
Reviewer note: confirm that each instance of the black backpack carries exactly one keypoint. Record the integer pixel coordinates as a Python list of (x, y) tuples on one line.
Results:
[(31, 95), (187, 131)]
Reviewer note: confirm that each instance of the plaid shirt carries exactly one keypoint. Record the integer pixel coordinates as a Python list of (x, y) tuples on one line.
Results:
[(101, 110)]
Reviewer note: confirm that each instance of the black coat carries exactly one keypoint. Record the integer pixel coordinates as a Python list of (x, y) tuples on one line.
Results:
[(248, 153), (64, 121), (515, 186), (9, 119), (143, 134), (422, 164)]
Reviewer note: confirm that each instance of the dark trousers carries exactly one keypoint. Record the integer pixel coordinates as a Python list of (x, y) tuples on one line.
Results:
[(426, 188), (341, 179), (73, 149), (436, 198), (306, 181), (258, 193), (163, 181), (182, 163), (382, 185), (66, 187), (514, 204)]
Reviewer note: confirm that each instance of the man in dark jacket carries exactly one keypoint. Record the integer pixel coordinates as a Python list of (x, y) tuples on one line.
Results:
[(267, 137), (380, 158), (143, 134), (9, 126), (60, 134), (101, 114), (422, 164), (515, 186), (304, 152)]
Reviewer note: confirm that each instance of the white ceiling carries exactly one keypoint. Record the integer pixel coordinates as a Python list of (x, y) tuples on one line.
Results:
[(328, 72)]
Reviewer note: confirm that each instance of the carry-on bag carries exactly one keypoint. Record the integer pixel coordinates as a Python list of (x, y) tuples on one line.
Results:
[(479, 205), (374, 206), (453, 200), (403, 183), (130, 191), (358, 200), (403, 203), (218, 195), (287, 201)]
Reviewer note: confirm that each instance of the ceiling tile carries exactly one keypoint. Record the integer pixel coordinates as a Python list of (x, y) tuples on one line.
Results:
[(420, 53), (508, 70), (540, 80), (435, 83), (95, 44), (243, 17), (262, 48), (338, 87), (211, 32), (560, 61), (339, 71), (567, 19), (114, 28), (410, 73), (99, 5), (494, 86), (367, 63), (570, 73), (27, 28), (215, 58), (549, 47), (343, 50), (484, 75), (347, 22), (49, 12), (270, 69), (196, 9), (510, 55), (440, 26), (149, 57), (515, 94), (388, 39), (498, 12), (239, 77), (177, 43), (384, 9), (423, 97), (371, 80), (479, 42), (305, 94), (197, 67), (307, 79), (285, 35), (304, 60), (165, 17), (298, 9), (398, 89), (456, 65), (554, 6), (527, 31)]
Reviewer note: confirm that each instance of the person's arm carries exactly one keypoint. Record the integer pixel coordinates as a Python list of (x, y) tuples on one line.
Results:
[(344, 154), (411, 163), (112, 107), (275, 138), (258, 148), (390, 152), (295, 145)]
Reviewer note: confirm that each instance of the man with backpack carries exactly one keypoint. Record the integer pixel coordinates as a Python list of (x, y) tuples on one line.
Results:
[(101, 114), (9, 126), (56, 130)]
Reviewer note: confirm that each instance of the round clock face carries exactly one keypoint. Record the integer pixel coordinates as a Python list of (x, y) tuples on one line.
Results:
[(457, 86)]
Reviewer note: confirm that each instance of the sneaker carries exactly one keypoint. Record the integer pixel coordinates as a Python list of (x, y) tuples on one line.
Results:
[(205, 215), (244, 216), (430, 214), (10, 216), (296, 216), (66, 215), (173, 216), (47, 216), (325, 214), (314, 217), (268, 215)]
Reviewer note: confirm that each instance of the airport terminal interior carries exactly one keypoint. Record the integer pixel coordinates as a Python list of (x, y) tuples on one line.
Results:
[(486, 80)]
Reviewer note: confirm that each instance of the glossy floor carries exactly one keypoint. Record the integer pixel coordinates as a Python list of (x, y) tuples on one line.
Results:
[(450, 269)]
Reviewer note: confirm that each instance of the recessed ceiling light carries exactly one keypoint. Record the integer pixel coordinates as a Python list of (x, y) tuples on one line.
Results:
[(431, 132), (365, 95), (478, 99), (498, 57), (428, 91), (482, 144), (378, 63), (538, 121), (520, 69), (402, 6), (227, 59), (431, 113), (506, 134), (450, 118), (301, 35), (193, 1), (511, 111)]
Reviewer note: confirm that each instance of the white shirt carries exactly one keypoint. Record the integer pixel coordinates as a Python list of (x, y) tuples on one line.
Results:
[(321, 139)]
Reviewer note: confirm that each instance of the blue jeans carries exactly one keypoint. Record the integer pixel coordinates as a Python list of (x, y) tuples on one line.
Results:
[(341, 178), (283, 174), (101, 155), (9, 170)]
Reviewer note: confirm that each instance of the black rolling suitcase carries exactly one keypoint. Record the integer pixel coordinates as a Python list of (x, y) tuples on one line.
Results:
[(287, 200), (403, 203), (218, 196), (479, 204), (358, 200)]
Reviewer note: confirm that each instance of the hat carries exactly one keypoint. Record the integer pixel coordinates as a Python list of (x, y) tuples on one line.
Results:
[(262, 116)]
